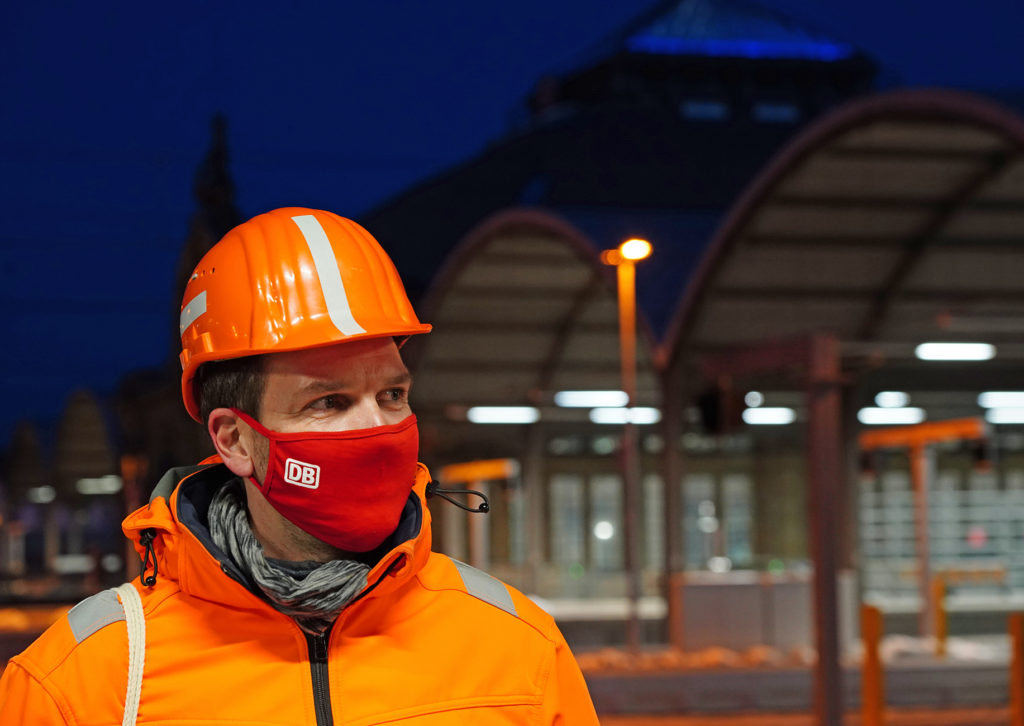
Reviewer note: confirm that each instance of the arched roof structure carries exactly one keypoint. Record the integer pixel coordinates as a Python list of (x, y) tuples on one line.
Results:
[(522, 308), (898, 218)]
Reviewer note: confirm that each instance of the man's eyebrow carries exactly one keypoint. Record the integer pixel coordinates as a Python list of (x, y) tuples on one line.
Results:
[(324, 386), (402, 378)]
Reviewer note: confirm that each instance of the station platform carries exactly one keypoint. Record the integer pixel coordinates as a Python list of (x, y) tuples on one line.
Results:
[(972, 677)]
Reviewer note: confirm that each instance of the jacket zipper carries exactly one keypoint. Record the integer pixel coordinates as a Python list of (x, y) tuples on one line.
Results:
[(317, 645)]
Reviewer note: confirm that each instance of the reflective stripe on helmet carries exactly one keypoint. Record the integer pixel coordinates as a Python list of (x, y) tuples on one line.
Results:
[(196, 307), (330, 276)]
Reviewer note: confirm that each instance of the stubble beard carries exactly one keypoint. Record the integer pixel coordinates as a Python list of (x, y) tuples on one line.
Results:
[(301, 545)]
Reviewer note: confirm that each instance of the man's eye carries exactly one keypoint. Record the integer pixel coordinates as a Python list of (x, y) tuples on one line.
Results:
[(394, 395), (328, 402)]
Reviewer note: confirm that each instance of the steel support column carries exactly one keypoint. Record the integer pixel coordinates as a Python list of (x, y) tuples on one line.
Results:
[(824, 493), (818, 359), (671, 474)]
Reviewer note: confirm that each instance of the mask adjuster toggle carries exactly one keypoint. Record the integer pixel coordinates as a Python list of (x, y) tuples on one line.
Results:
[(434, 488)]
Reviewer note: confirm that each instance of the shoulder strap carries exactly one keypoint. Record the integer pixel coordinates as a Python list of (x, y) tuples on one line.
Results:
[(136, 622)]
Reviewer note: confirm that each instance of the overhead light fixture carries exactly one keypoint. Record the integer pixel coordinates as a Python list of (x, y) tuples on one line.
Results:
[(591, 399), (890, 416), (635, 249), (769, 416), (1007, 415), (41, 495), (640, 415), (109, 484), (503, 415), (892, 399), (1001, 399), (754, 399), (955, 351)]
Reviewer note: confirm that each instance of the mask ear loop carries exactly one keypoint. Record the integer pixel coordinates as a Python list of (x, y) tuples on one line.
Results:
[(434, 489)]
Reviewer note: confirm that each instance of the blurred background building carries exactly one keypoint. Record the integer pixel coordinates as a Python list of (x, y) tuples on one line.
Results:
[(786, 202)]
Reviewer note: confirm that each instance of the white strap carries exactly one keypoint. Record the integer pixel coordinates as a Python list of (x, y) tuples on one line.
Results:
[(136, 622)]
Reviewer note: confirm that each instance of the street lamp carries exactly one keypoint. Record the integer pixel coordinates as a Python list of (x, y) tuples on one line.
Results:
[(624, 258)]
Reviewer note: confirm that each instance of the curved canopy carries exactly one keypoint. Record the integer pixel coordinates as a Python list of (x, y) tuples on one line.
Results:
[(898, 219), (523, 308)]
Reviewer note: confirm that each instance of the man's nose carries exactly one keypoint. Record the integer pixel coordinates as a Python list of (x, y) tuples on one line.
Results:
[(367, 414)]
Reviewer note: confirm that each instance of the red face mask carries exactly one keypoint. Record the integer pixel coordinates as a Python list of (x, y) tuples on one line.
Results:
[(346, 488)]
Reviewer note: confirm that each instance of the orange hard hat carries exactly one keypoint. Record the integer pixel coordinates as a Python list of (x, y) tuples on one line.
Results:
[(289, 279)]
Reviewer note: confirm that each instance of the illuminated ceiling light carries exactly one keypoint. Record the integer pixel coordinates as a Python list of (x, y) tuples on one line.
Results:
[(753, 399), (892, 399), (892, 416), (604, 530), (591, 399), (1007, 415), (109, 484), (503, 415), (1001, 399), (41, 495), (955, 351), (635, 249), (769, 416), (640, 415)]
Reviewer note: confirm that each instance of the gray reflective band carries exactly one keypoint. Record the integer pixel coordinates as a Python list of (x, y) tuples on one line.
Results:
[(327, 270), (94, 613), (484, 587), (191, 312)]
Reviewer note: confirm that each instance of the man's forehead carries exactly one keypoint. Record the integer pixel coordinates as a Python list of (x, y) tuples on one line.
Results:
[(378, 356)]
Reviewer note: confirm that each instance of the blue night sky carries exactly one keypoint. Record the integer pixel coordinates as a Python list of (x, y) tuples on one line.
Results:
[(107, 110)]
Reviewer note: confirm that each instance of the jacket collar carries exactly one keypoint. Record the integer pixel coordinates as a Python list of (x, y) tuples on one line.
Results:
[(186, 554)]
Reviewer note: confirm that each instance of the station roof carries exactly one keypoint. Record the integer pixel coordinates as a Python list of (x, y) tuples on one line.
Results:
[(665, 173), (896, 220), (730, 28)]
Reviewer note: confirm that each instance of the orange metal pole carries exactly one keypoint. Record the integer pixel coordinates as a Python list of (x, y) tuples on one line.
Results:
[(939, 617), (931, 432), (629, 452), (480, 470), (627, 326), (1017, 669), (872, 680)]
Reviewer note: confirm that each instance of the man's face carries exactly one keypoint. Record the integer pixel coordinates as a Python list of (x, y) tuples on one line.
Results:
[(341, 387), (348, 386)]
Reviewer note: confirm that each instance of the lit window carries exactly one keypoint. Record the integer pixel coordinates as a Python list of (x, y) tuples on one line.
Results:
[(704, 110), (776, 113)]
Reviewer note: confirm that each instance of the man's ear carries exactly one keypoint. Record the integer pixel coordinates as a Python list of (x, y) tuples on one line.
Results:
[(233, 441)]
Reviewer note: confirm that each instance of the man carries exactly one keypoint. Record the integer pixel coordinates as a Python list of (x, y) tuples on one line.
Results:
[(289, 578)]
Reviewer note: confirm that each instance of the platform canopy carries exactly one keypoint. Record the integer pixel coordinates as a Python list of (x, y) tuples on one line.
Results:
[(896, 220), (523, 309)]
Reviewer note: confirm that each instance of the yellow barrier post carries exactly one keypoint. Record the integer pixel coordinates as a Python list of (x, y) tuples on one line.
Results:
[(939, 617), (872, 682), (1017, 669)]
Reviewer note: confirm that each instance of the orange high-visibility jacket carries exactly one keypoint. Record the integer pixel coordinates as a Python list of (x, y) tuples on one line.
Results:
[(430, 641)]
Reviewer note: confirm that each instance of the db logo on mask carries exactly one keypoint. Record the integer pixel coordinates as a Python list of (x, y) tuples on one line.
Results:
[(301, 474)]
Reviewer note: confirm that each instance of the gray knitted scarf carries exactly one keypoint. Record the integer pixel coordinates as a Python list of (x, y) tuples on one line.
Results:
[(312, 593)]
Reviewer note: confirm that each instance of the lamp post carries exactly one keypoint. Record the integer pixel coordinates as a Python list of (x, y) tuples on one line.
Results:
[(625, 258)]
